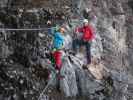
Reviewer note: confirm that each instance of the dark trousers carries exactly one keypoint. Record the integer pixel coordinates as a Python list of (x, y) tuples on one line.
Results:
[(78, 43), (88, 50)]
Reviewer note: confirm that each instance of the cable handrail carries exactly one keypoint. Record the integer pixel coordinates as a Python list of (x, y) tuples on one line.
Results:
[(24, 29)]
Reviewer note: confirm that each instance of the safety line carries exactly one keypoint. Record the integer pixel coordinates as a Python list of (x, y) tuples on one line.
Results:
[(24, 29), (44, 90), (29, 29)]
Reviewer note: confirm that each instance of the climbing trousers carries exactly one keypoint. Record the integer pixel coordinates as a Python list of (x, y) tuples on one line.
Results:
[(88, 50), (58, 59)]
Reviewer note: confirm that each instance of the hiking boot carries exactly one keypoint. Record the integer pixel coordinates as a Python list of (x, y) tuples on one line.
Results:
[(58, 88), (84, 67), (73, 53), (60, 77)]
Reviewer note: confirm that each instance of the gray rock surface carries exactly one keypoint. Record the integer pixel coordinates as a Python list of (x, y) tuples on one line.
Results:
[(23, 68)]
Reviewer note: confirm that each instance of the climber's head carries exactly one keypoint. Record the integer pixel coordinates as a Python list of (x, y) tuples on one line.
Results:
[(87, 10), (85, 22), (62, 30), (49, 22)]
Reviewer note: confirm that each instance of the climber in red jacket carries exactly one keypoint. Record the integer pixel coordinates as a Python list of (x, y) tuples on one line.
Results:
[(87, 36)]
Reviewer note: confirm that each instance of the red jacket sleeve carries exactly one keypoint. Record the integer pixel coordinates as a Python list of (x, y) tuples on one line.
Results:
[(92, 32)]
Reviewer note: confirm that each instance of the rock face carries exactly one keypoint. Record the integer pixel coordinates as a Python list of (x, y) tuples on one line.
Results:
[(24, 68)]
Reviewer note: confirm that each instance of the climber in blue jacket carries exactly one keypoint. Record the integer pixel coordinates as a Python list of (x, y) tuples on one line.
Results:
[(58, 41), (57, 36)]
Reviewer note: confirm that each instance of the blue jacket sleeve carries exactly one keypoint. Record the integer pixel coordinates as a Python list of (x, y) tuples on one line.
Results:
[(60, 37)]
